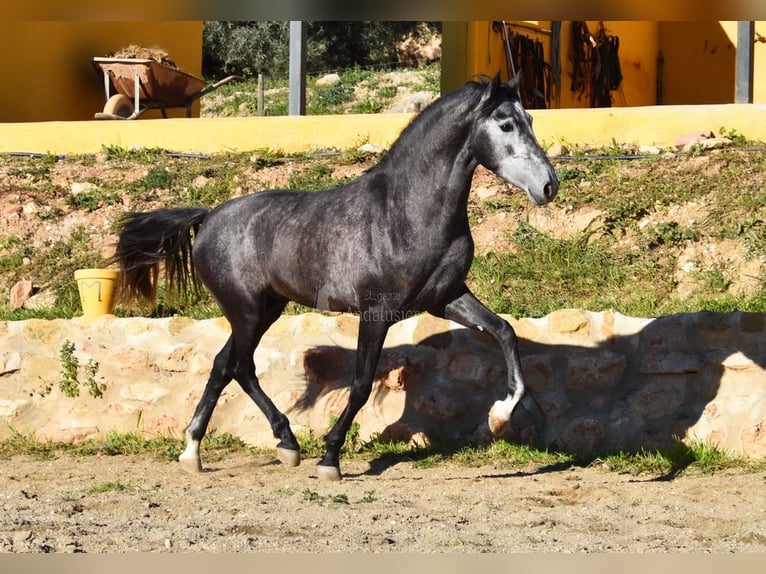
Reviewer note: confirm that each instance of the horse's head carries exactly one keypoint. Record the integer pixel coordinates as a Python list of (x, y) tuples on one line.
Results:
[(502, 141)]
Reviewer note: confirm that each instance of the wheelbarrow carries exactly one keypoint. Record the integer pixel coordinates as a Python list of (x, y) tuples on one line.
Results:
[(146, 84)]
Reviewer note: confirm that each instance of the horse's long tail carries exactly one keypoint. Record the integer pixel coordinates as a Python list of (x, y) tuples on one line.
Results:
[(146, 241)]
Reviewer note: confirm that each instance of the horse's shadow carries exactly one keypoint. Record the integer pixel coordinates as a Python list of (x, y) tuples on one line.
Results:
[(629, 393)]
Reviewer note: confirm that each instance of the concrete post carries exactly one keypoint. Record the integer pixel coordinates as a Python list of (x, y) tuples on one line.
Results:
[(297, 78)]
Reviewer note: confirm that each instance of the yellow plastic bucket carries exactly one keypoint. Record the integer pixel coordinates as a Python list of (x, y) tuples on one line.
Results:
[(98, 288)]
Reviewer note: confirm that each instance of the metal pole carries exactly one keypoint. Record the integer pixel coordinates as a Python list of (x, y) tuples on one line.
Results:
[(296, 102), (260, 95), (745, 53)]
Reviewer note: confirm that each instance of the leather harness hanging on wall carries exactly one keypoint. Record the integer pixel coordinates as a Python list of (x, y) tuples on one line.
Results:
[(596, 65), (528, 57), (535, 85)]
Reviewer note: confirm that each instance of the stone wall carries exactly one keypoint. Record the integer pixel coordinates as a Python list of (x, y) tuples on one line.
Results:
[(597, 382)]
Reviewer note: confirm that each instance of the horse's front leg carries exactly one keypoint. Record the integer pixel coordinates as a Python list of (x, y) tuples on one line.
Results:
[(370, 342), (467, 310)]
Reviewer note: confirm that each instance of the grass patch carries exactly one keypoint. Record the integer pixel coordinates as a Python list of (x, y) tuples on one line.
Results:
[(694, 456), (689, 457), (510, 455), (543, 274), (103, 487), (215, 446), (627, 265)]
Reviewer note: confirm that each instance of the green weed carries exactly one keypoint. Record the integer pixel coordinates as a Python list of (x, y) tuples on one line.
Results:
[(510, 455), (314, 177), (542, 274), (693, 456), (69, 382), (103, 487)]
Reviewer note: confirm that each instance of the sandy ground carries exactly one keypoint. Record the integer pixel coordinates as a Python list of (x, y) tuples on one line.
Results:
[(248, 503)]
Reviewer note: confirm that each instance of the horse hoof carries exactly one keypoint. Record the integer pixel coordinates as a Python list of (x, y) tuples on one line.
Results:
[(191, 464), (328, 473), (497, 425), (288, 457)]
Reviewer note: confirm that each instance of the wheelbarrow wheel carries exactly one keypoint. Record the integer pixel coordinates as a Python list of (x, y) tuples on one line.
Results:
[(119, 105)]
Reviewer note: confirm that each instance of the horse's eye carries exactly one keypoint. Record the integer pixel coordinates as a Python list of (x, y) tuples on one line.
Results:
[(507, 127)]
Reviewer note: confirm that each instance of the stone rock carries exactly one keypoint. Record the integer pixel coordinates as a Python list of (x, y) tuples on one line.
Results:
[(598, 371), (440, 403), (30, 208), (143, 392), (19, 294), (537, 371), (10, 361), (583, 219), (80, 187), (754, 441), (403, 432), (684, 140), (371, 148), (10, 408), (327, 80), (557, 150), (325, 366), (413, 103), (177, 324), (40, 301), (45, 332), (177, 360), (397, 372), (670, 362), (707, 144), (484, 192), (570, 322), (200, 181), (649, 150), (11, 209), (466, 366), (657, 399), (582, 435), (127, 359)]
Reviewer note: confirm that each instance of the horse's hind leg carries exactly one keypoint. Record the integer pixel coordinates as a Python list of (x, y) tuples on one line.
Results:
[(220, 376), (235, 361), (247, 335)]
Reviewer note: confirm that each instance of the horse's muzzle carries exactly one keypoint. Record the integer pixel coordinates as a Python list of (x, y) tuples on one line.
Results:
[(551, 188)]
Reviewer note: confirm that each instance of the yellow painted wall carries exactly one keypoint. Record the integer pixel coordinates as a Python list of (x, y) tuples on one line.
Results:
[(645, 125), (46, 67), (700, 62), (699, 59)]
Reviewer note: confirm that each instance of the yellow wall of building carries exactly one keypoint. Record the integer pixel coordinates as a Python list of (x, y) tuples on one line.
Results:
[(46, 66), (699, 62), (699, 59)]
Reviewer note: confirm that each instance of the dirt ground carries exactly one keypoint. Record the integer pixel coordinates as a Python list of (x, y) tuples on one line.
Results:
[(249, 503)]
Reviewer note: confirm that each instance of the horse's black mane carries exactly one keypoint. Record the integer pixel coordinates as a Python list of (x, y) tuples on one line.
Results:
[(468, 96)]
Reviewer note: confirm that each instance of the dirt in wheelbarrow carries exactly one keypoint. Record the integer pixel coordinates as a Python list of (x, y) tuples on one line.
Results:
[(250, 503)]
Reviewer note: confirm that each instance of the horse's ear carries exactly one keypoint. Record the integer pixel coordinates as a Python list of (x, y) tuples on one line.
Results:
[(515, 81), (491, 88)]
